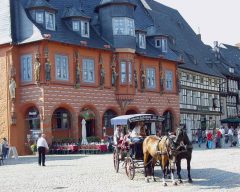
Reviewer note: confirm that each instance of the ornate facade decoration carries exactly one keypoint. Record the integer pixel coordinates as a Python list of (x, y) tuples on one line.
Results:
[(102, 72), (47, 65), (78, 70), (37, 68)]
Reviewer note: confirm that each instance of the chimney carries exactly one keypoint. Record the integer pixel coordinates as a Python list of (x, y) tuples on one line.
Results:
[(238, 45), (199, 37)]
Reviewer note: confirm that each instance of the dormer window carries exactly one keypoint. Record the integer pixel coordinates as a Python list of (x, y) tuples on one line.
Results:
[(75, 25), (39, 17), (161, 43), (123, 26), (231, 70), (85, 28), (50, 21), (142, 40)]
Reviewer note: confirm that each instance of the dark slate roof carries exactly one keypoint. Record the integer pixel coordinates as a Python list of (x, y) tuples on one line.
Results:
[(103, 2), (229, 57), (156, 19), (40, 4), (169, 22), (63, 33), (116, 1), (73, 12)]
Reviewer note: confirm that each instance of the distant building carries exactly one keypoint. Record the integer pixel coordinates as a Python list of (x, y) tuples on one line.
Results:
[(198, 82), (227, 61)]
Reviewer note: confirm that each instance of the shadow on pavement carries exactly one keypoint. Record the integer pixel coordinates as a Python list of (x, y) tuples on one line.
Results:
[(212, 178), (34, 159)]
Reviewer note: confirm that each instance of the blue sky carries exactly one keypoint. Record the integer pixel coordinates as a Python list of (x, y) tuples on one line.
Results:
[(217, 20)]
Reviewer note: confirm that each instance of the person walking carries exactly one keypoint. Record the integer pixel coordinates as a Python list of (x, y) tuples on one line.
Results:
[(238, 132), (230, 136), (42, 146), (5, 148), (209, 140), (223, 136), (200, 137)]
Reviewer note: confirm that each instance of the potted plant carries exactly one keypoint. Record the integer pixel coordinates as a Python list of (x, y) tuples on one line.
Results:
[(34, 148)]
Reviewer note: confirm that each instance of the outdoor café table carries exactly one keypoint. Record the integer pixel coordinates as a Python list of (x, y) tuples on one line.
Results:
[(73, 148), (102, 147)]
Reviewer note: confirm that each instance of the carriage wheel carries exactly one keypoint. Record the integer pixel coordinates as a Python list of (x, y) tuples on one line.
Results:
[(130, 168), (116, 160)]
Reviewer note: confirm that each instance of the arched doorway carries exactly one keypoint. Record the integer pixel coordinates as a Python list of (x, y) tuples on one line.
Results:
[(151, 112), (106, 122), (61, 123), (153, 128), (89, 117), (167, 123), (131, 112), (32, 119)]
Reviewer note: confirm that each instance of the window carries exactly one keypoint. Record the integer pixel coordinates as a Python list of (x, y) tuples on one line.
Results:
[(123, 72), (85, 28), (88, 71), (231, 70), (126, 72), (61, 119), (108, 115), (39, 16), (26, 68), (50, 21), (169, 80), (33, 119), (142, 40), (161, 43), (123, 26), (75, 25), (61, 64), (151, 77), (189, 97)]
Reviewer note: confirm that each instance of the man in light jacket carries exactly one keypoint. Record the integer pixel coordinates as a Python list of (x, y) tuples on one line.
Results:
[(42, 146)]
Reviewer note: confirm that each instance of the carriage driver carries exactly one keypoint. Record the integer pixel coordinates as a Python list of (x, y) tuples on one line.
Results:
[(136, 138)]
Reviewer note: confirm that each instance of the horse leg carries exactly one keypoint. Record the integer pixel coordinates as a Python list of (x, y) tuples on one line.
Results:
[(164, 161), (189, 169), (172, 166), (153, 164), (178, 164), (145, 159)]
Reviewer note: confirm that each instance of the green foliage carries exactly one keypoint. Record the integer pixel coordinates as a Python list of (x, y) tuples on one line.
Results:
[(93, 139), (33, 148)]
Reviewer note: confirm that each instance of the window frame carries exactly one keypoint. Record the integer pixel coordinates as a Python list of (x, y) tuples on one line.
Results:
[(162, 43), (73, 25), (151, 74), (47, 14), (61, 77), (59, 118), (83, 29), (142, 38), (86, 68), (168, 80), (29, 69), (123, 26), (37, 13)]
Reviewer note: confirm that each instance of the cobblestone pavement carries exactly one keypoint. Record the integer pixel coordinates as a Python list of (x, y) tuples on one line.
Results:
[(212, 170)]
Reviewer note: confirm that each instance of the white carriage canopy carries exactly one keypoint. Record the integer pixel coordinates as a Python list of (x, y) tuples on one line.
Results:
[(126, 119)]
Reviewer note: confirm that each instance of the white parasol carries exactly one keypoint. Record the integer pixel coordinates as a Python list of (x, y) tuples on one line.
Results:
[(84, 133)]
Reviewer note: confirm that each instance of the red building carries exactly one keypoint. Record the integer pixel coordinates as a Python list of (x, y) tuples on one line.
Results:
[(62, 76)]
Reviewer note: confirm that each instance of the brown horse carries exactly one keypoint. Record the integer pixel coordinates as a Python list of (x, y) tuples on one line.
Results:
[(159, 149)]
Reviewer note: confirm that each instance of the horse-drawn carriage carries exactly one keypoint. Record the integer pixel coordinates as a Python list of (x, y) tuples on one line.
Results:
[(122, 144), (153, 149)]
